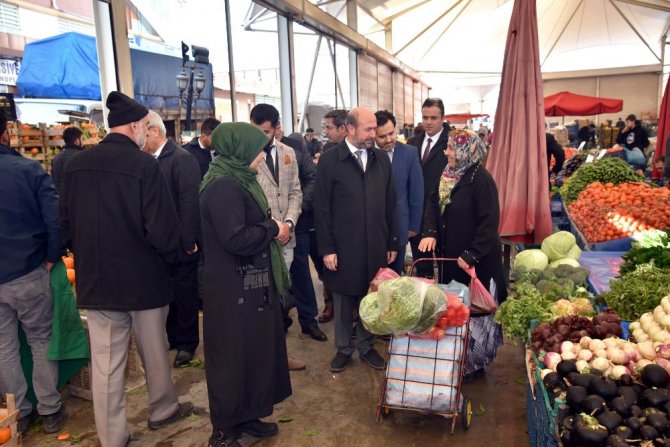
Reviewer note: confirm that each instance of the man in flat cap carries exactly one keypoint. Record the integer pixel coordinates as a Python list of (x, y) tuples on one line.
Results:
[(118, 218)]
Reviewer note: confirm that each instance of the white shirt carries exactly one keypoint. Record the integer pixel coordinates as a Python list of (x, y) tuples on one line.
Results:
[(354, 150), (273, 152), (211, 151), (433, 139), (160, 149)]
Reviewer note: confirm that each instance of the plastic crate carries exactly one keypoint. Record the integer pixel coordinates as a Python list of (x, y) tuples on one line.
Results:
[(539, 426)]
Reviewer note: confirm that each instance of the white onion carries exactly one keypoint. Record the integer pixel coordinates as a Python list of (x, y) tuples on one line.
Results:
[(583, 366), (584, 342), (601, 364), (596, 344), (566, 346), (585, 354)]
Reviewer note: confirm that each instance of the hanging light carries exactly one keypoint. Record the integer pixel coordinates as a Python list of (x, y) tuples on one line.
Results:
[(182, 81)]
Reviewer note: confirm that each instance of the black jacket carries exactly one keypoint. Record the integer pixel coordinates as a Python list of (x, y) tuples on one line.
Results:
[(307, 174), (555, 149), (118, 218), (29, 233), (58, 164), (437, 161), (636, 137), (356, 218), (203, 156), (183, 176), (313, 147)]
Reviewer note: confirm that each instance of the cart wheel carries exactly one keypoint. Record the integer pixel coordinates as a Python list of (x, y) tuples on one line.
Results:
[(386, 412), (466, 413)]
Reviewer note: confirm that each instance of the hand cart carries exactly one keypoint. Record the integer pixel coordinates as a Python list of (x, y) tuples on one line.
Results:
[(426, 375)]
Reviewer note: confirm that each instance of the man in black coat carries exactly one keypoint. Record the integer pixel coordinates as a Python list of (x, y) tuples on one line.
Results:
[(314, 146), (554, 150), (72, 139), (183, 176), (356, 228), (431, 144), (201, 147), (118, 218)]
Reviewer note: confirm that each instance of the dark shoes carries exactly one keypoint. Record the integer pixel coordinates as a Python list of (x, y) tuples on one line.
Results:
[(327, 314), (221, 439), (27, 421), (258, 428), (316, 333), (183, 358), (373, 359), (340, 362), (52, 423), (184, 410)]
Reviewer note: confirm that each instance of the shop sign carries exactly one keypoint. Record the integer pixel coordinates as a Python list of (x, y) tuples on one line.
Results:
[(9, 71)]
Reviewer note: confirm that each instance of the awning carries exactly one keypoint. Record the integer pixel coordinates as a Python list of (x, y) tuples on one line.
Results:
[(571, 104)]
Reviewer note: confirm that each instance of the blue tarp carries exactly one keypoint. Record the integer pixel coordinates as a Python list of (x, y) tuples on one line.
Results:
[(66, 67)]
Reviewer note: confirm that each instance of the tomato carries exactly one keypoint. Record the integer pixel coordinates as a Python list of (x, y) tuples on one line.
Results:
[(442, 322)]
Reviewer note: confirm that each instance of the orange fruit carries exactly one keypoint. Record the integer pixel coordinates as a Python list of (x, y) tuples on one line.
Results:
[(70, 275), (5, 435), (69, 262), (34, 151)]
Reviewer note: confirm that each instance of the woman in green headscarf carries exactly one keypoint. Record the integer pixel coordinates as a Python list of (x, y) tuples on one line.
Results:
[(245, 350)]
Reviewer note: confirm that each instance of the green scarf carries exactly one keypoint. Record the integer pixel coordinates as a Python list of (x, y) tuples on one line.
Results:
[(238, 144)]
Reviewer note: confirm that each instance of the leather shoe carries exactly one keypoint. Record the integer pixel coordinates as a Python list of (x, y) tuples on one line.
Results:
[(258, 428), (183, 358), (27, 421), (373, 359), (340, 362), (327, 314), (184, 410), (316, 333), (221, 439), (295, 364), (52, 423)]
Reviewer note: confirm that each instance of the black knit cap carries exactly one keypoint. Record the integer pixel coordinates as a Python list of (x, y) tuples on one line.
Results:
[(124, 110)]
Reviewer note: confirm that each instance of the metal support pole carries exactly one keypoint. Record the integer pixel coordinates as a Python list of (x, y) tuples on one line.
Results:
[(338, 87), (231, 66), (388, 37), (309, 86), (189, 102), (286, 73), (352, 21)]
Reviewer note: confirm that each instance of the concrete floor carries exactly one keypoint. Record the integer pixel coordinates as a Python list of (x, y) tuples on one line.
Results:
[(329, 409)]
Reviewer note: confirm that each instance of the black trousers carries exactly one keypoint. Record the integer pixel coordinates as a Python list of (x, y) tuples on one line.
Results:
[(182, 320)]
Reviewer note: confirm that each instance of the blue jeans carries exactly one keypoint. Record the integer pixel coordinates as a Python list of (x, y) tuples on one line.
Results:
[(301, 279), (28, 301)]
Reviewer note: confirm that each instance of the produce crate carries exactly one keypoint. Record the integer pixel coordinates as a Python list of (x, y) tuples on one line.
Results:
[(622, 244), (8, 418), (80, 384), (541, 416)]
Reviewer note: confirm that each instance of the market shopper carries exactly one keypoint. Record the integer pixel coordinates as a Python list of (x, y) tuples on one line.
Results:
[(72, 140), (408, 178), (31, 244), (201, 147), (431, 143), (314, 146), (356, 228), (183, 176), (466, 228), (118, 218), (245, 350), (635, 140), (554, 150)]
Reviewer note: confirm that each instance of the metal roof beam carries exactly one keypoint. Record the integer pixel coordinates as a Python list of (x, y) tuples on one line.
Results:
[(562, 32), (446, 28), (623, 16), (646, 5), (432, 24)]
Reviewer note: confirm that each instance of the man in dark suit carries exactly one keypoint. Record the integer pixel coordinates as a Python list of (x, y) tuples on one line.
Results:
[(356, 228), (201, 147), (408, 182), (183, 176), (72, 139), (431, 144)]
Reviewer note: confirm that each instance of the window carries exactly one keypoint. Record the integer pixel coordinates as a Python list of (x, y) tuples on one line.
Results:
[(67, 25), (9, 18)]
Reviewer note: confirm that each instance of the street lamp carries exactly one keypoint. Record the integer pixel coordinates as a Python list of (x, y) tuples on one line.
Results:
[(188, 82)]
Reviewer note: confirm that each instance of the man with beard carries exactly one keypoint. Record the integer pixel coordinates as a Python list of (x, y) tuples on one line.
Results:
[(356, 228)]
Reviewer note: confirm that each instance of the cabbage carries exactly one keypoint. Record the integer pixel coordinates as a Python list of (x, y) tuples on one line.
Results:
[(369, 313), (574, 253), (396, 307), (531, 259), (558, 245), (564, 261)]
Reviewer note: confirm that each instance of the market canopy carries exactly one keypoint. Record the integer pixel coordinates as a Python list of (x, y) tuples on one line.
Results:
[(571, 104)]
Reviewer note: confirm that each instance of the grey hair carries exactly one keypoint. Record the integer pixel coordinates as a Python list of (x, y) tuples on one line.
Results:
[(155, 120)]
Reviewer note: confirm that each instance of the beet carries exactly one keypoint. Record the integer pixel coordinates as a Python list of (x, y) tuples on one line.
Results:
[(552, 381), (575, 395), (615, 441), (593, 405), (626, 380), (624, 432), (620, 405), (633, 423), (656, 396), (648, 432), (603, 387), (587, 430), (610, 420), (658, 421), (565, 367), (636, 411), (579, 379), (655, 376), (628, 393)]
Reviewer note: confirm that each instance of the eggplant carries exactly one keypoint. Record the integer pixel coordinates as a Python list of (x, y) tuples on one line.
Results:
[(624, 432), (604, 388), (610, 420), (620, 405), (658, 421), (647, 432), (625, 380), (587, 430), (575, 395), (629, 394), (633, 423), (593, 405), (565, 367), (656, 396), (579, 379), (654, 376)]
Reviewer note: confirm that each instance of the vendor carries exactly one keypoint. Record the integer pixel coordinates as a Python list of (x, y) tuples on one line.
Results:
[(633, 137), (587, 134)]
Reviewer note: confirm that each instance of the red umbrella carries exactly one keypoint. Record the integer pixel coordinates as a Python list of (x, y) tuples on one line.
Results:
[(518, 159), (663, 130), (566, 103)]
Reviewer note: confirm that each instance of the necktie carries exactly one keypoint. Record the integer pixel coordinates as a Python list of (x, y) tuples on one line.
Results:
[(359, 154), (426, 152), (269, 162)]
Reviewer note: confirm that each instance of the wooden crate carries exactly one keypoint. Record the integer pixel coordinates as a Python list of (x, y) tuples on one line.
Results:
[(8, 418)]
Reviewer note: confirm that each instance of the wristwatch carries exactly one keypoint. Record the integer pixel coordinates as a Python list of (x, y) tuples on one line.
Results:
[(290, 224)]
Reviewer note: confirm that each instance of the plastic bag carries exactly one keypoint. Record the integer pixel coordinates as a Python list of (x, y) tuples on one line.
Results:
[(481, 301), (382, 275), (434, 305)]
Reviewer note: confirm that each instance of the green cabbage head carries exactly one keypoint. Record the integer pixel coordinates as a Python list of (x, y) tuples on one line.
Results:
[(558, 245), (530, 259)]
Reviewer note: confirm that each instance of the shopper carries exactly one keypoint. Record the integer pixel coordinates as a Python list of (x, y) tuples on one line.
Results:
[(466, 227), (554, 150), (245, 351), (201, 147), (118, 218), (406, 169), (31, 244), (183, 176), (314, 146), (72, 140), (356, 226)]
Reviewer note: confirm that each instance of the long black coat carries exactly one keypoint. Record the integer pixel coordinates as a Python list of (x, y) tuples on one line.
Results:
[(118, 218), (355, 215), (468, 228), (245, 351)]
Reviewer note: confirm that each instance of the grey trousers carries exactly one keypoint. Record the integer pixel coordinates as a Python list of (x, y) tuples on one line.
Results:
[(344, 304), (109, 332), (28, 301)]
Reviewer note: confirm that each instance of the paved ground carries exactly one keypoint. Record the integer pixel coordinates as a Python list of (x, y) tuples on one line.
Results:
[(330, 410)]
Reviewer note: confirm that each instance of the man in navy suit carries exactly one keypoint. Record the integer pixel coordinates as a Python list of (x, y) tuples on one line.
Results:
[(408, 177)]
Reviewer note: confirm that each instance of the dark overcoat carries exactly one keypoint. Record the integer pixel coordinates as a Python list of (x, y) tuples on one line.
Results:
[(243, 330), (355, 216)]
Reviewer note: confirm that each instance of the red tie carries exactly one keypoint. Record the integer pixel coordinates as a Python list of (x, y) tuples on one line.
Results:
[(426, 152)]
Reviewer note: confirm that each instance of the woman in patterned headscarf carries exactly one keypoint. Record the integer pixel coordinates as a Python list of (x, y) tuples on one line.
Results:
[(462, 223)]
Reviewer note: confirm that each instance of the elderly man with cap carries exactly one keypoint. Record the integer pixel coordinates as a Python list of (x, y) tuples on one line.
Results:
[(118, 218)]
